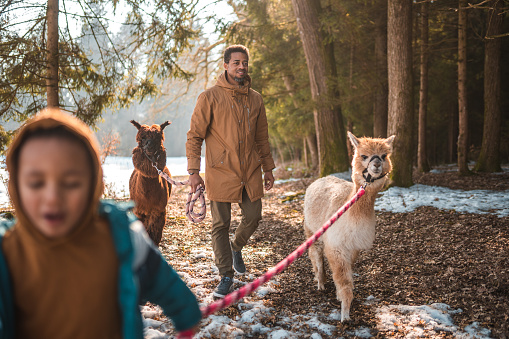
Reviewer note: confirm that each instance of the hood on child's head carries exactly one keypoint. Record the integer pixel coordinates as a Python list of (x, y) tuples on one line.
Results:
[(50, 119)]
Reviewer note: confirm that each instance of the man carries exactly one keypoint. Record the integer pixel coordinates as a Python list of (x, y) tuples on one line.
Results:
[(231, 118)]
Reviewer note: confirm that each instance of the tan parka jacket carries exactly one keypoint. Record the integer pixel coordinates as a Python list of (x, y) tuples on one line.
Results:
[(232, 121)]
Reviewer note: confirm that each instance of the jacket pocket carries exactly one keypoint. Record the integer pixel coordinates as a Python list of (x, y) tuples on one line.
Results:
[(218, 160), (255, 162)]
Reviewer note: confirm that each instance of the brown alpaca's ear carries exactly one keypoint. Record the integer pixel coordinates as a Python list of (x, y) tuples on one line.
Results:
[(136, 124), (353, 139), (390, 140), (164, 124)]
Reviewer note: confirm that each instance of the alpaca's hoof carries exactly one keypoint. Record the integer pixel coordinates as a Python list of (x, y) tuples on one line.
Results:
[(320, 286), (345, 316)]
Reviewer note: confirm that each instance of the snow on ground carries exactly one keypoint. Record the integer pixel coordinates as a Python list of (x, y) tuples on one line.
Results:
[(398, 199), (412, 320), (117, 171), (426, 320)]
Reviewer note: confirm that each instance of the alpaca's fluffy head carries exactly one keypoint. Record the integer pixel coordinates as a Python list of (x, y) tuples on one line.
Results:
[(371, 159), (150, 138)]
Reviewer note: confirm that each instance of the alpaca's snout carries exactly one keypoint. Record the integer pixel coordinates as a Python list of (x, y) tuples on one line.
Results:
[(375, 165), (148, 145), (147, 142)]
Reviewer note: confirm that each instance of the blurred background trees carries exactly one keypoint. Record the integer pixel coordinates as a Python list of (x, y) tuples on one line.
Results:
[(422, 48), (440, 85)]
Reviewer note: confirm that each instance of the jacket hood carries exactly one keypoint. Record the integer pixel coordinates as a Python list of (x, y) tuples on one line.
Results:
[(46, 119), (222, 82)]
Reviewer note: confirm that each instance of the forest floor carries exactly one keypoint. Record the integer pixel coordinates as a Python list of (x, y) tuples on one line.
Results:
[(419, 258)]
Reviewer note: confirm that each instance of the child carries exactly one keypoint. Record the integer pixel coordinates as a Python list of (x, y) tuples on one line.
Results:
[(72, 266)]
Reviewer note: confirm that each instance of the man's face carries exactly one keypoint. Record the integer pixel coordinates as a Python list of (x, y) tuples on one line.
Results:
[(55, 182), (237, 68)]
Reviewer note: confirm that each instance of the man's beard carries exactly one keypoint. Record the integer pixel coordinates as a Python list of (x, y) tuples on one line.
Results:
[(239, 80)]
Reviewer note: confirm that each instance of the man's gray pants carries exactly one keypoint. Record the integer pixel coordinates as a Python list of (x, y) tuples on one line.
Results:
[(221, 218)]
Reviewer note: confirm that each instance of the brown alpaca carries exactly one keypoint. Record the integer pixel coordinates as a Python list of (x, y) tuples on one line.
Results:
[(149, 191), (355, 230)]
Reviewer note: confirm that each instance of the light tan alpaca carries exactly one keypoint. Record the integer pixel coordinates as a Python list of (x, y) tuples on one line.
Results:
[(355, 230)]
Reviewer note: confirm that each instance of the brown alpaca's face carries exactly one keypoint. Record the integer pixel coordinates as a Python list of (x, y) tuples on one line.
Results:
[(372, 156), (150, 138)]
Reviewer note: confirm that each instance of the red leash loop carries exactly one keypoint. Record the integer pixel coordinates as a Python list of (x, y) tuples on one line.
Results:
[(187, 334), (247, 289), (191, 215)]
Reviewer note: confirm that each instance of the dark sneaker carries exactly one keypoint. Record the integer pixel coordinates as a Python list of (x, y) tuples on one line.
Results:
[(225, 286), (238, 262)]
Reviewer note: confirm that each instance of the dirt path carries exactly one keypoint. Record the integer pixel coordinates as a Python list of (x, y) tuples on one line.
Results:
[(419, 258)]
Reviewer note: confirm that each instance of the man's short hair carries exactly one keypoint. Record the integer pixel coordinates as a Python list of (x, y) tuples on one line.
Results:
[(232, 49)]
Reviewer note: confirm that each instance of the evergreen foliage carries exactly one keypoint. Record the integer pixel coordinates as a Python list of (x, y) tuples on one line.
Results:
[(268, 27), (98, 69)]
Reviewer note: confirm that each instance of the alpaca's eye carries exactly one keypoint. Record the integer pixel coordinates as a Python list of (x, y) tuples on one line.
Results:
[(384, 156), (364, 157)]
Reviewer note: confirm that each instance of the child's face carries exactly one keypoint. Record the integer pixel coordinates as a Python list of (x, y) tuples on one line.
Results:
[(55, 181)]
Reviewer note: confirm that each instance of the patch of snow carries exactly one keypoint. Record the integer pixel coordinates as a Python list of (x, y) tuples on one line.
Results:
[(281, 334), (475, 331), (344, 175), (260, 329), (371, 300), (148, 322), (418, 321), (362, 332), (317, 324), (264, 290), (399, 199), (150, 333), (283, 181), (335, 315)]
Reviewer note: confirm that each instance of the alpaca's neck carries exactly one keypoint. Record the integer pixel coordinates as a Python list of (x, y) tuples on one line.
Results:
[(366, 204)]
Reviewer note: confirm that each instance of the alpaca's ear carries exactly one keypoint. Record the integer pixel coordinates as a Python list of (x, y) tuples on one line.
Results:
[(136, 124), (353, 139), (389, 140), (164, 124)]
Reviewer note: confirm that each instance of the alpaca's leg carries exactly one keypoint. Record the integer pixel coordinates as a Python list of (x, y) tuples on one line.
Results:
[(317, 259), (342, 276), (155, 226), (149, 226)]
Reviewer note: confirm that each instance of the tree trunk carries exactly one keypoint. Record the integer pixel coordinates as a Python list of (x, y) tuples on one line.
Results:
[(462, 89), (489, 158), (313, 150), (381, 90), (322, 71), (452, 136), (399, 60), (304, 147), (422, 158), (52, 54)]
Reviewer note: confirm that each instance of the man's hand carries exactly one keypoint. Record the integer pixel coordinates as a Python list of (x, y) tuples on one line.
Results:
[(195, 180), (269, 180)]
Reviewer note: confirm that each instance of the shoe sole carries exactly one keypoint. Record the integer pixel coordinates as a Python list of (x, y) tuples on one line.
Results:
[(239, 273), (220, 296)]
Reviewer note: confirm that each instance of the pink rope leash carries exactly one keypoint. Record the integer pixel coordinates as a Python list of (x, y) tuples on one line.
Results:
[(191, 215), (247, 289)]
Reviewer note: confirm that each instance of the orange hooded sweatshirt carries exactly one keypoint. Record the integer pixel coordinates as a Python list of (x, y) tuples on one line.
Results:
[(66, 287)]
